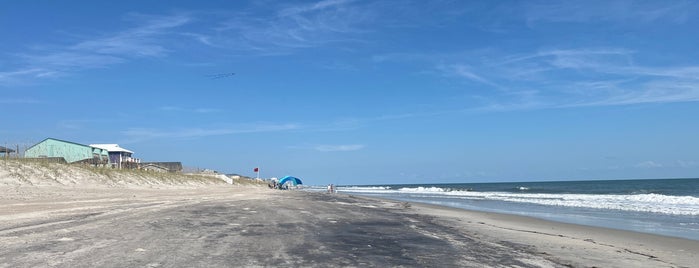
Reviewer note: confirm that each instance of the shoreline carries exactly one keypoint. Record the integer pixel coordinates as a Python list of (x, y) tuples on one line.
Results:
[(655, 206), (583, 243), (524, 216), (217, 226)]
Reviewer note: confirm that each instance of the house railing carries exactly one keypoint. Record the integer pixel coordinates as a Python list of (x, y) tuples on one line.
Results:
[(130, 160)]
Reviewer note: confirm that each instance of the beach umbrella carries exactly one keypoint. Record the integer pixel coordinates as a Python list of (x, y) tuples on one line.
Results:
[(293, 180)]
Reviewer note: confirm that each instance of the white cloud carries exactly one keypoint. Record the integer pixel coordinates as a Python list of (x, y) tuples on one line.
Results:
[(558, 78), (339, 148), (687, 163), (138, 41), (274, 29), (537, 12), (465, 71), (591, 77), (66, 61), (675, 164), (204, 39), (140, 134), (201, 110), (295, 10), (295, 27), (649, 164), (143, 40), (20, 101)]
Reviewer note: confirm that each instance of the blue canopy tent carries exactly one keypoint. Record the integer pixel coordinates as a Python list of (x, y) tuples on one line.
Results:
[(293, 180)]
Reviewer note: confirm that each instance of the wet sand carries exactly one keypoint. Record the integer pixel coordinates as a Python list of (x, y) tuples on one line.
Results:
[(234, 226)]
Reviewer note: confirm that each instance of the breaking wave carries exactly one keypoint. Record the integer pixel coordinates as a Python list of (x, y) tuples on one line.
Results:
[(650, 202)]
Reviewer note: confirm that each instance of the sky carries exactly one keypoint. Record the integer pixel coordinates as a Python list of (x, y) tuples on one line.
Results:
[(363, 92)]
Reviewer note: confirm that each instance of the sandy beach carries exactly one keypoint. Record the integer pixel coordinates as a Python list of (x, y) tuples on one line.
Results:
[(252, 226), (54, 215)]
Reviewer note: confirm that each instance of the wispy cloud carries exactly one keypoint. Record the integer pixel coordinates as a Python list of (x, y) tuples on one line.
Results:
[(668, 164), (610, 77), (603, 11), (25, 75), (465, 71), (559, 78), (289, 27), (20, 101), (142, 134), (140, 41), (304, 8), (274, 29), (687, 163), (145, 39), (339, 148), (65, 61), (649, 164), (329, 147), (201, 110)]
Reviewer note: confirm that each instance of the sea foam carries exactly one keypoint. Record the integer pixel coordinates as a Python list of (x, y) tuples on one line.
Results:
[(654, 203)]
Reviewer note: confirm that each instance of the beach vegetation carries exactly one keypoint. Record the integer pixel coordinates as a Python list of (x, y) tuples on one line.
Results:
[(24, 171)]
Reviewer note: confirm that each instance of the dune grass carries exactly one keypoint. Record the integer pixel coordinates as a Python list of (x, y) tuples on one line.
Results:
[(26, 170)]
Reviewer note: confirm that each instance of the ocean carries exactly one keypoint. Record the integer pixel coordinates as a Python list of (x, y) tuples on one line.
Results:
[(667, 207)]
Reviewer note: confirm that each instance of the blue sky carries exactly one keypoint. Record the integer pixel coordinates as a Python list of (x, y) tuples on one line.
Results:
[(363, 92)]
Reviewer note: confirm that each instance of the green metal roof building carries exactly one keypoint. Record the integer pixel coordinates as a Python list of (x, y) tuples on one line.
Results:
[(70, 151)]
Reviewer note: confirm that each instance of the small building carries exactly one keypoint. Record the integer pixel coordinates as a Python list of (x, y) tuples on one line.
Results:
[(163, 166), (4, 151), (119, 157), (154, 167), (71, 152)]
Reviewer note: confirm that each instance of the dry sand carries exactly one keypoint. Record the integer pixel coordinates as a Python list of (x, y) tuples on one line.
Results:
[(219, 225)]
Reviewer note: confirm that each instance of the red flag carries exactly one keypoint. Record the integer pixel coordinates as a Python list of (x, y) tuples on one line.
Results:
[(257, 169)]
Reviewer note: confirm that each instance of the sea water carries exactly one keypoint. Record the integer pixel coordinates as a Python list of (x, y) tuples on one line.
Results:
[(666, 207)]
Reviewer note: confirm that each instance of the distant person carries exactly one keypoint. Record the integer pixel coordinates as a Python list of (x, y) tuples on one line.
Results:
[(330, 188)]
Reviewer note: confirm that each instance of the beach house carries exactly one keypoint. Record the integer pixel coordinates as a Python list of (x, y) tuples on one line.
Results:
[(71, 152), (5, 152), (119, 157)]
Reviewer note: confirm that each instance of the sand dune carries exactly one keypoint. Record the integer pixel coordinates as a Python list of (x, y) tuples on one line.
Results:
[(38, 173)]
